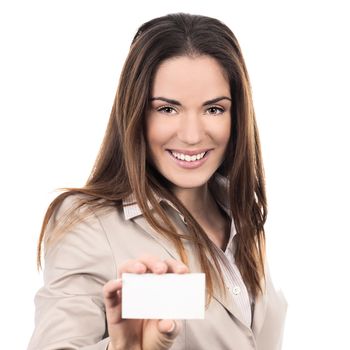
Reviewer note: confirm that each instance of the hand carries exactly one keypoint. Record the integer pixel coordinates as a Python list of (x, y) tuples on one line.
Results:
[(137, 334)]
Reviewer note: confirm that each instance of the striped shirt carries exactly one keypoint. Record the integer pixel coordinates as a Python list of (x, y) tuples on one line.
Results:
[(233, 279)]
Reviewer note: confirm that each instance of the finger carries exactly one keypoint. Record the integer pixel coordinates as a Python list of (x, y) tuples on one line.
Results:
[(154, 264), (176, 266), (131, 266), (160, 334), (112, 300), (148, 263), (169, 327), (159, 266), (110, 292), (168, 331)]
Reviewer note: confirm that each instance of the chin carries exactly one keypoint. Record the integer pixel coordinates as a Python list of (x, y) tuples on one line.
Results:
[(188, 182)]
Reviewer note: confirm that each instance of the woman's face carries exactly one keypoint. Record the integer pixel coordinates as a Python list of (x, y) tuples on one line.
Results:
[(188, 124)]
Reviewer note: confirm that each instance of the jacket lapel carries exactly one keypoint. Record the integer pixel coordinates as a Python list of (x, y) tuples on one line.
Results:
[(260, 308), (142, 222), (229, 304)]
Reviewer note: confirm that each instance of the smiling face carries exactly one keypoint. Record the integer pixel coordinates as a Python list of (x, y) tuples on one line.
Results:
[(188, 124)]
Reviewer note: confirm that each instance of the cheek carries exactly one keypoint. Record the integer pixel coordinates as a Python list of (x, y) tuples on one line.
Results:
[(222, 133), (226, 134), (157, 134)]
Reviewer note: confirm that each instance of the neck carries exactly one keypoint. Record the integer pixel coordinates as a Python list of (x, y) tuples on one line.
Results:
[(196, 200), (201, 204)]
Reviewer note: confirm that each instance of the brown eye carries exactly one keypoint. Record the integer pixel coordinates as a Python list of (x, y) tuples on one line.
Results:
[(215, 110), (166, 110)]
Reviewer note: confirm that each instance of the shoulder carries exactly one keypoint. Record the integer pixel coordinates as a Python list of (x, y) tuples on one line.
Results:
[(77, 255), (82, 217), (77, 220), (79, 207)]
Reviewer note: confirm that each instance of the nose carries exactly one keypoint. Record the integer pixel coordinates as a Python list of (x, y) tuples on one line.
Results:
[(191, 129)]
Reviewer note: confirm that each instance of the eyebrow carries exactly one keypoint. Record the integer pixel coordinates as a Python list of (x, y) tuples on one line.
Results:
[(177, 103)]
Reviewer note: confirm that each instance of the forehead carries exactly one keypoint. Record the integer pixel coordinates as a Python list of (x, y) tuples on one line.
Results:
[(185, 77)]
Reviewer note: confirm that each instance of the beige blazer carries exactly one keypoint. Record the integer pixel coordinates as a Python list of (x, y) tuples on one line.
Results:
[(70, 310)]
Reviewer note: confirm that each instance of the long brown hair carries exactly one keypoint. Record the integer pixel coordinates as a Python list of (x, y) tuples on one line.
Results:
[(122, 167)]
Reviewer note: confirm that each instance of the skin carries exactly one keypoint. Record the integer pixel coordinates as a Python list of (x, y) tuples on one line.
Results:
[(191, 126), (186, 125)]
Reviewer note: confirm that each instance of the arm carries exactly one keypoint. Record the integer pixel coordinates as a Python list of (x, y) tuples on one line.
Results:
[(70, 312), (80, 284)]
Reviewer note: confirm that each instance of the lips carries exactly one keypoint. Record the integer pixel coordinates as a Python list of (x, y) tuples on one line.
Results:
[(189, 152), (189, 159)]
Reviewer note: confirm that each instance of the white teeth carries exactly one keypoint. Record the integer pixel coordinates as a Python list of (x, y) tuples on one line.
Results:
[(187, 157)]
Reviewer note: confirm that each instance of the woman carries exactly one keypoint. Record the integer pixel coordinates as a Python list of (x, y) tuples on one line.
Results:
[(178, 187)]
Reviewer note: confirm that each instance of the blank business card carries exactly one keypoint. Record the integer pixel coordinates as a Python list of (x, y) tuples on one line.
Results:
[(166, 296)]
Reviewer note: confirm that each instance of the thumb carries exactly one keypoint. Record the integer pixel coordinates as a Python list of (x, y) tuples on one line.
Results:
[(169, 327), (168, 331), (164, 335)]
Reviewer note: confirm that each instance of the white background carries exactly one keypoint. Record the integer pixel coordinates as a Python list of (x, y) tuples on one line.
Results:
[(60, 62)]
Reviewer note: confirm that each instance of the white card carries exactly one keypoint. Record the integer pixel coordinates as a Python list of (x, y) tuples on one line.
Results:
[(166, 296)]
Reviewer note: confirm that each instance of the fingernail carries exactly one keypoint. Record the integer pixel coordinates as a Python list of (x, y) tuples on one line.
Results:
[(159, 267), (172, 328), (182, 268), (139, 266)]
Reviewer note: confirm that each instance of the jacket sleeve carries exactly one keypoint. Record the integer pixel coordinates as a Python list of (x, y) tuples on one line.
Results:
[(69, 308)]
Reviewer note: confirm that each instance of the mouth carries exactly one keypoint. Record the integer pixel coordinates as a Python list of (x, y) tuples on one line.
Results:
[(189, 159)]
